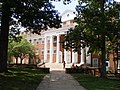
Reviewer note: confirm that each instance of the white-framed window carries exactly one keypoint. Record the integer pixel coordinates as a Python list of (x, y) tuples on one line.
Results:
[(48, 50), (48, 40), (67, 15), (54, 39), (42, 50), (31, 41), (95, 62), (68, 23), (43, 41), (37, 41), (54, 50)]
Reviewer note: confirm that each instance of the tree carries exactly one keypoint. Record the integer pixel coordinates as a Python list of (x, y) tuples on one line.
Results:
[(96, 24), (20, 49), (35, 15)]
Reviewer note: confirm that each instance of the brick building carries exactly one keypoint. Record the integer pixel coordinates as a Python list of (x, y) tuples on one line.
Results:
[(49, 49)]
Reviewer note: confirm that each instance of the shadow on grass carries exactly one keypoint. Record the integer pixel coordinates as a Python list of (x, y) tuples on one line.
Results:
[(96, 83), (21, 79)]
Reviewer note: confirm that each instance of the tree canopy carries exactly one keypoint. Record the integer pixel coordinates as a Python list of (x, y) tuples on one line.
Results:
[(20, 48), (36, 15)]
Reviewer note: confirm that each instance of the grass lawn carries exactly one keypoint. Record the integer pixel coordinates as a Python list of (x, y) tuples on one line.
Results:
[(95, 83), (21, 79)]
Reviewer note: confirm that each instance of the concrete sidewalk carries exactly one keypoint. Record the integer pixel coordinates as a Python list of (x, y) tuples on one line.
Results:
[(59, 80)]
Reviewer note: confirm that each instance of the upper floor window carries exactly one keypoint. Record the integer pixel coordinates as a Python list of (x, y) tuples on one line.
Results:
[(67, 15), (48, 41), (54, 39), (68, 23), (31, 41), (42, 41), (37, 41)]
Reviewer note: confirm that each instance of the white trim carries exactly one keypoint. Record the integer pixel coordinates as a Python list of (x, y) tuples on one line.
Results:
[(51, 49), (58, 49)]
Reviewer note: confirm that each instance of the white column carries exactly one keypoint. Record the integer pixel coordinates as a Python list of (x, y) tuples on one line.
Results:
[(45, 49), (58, 49), (82, 56), (51, 49), (69, 56), (76, 57), (65, 55), (73, 56), (88, 56)]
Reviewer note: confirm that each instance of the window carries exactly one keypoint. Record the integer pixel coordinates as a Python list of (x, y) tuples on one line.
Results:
[(42, 40), (54, 50), (95, 62), (48, 51), (67, 15), (106, 64), (68, 23), (48, 40), (54, 39), (42, 50), (30, 40), (37, 41), (34, 40)]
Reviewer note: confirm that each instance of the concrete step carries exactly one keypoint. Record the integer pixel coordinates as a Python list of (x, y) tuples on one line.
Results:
[(57, 66)]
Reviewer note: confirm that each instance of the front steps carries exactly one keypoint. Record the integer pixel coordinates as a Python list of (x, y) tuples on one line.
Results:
[(56, 66)]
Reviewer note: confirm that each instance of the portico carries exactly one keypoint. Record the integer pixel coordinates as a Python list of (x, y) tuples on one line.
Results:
[(54, 43), (57, 54), (60, 54)]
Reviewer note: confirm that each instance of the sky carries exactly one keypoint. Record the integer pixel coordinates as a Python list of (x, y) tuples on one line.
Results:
[(61, 7)]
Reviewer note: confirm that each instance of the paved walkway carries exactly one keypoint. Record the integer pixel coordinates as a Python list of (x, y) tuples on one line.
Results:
[(59, 80)]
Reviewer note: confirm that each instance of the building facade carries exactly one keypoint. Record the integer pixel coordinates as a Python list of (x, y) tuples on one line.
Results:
[(49, 48)]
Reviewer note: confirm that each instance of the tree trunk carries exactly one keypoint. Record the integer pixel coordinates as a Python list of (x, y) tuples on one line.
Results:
[(103, 66), (4, 36), (21, 61), (29, 62), (103, 49)]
